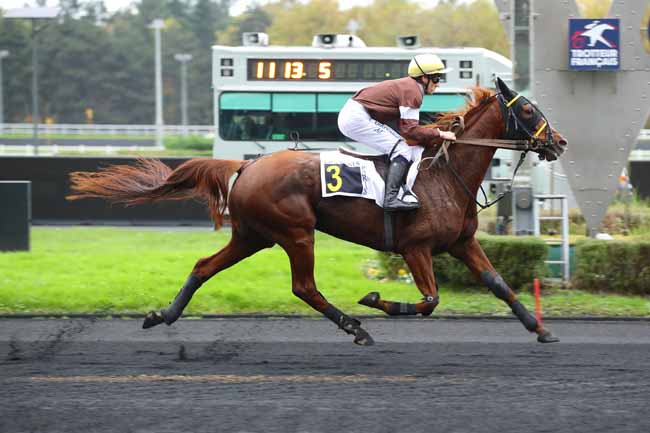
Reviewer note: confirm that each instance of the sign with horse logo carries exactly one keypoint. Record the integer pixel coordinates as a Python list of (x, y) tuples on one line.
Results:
[(594, 44)]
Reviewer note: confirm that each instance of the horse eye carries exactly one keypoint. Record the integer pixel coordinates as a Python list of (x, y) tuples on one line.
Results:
[(527, 110)]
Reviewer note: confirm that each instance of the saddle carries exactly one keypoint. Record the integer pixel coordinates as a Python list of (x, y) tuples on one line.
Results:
[(380, 160)]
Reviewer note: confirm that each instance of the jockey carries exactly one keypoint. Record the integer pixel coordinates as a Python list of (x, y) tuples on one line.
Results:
[(363, 118)]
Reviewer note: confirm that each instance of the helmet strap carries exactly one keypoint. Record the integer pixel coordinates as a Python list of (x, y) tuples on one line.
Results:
[(423, 75), (418, 65)]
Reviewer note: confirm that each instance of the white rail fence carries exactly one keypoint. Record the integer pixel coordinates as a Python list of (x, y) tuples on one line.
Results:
[(45, 130), (83, 129), (47, 147)]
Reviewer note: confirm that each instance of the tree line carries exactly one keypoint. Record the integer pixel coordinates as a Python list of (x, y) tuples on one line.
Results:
[(94, 61)]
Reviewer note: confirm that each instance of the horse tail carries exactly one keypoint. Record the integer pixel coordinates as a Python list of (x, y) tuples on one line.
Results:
[(150, 180)]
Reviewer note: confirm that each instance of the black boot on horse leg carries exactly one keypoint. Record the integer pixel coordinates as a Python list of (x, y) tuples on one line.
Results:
[(501, 290), (395, 178), (471, 253), (392, 308), (349, 324), (170, 314), (420, 263), (237, 249)]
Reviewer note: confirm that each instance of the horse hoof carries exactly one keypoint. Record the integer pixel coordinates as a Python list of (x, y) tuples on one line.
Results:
[(547, 337), (152, 319), (362, 338), (349, 324), (370, 300)]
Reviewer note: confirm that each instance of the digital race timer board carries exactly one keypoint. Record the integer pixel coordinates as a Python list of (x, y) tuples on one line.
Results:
[(325, 70)]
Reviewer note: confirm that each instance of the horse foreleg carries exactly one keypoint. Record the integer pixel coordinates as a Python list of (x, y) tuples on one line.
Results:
[(236, 250), (471, 253), (300, 249), (420, 263)]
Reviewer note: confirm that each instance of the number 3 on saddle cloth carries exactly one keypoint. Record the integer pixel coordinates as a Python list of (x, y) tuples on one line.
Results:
[(343, 174)]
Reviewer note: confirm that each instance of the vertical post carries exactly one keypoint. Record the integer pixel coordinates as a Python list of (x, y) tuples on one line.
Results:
[(184, 96), (3, 54), (34, 14), (157, 25), (538, 303), (15, 220), (536, 214), (521, 71), (34, 87), (565, 238), (522, 44), (183, 59)]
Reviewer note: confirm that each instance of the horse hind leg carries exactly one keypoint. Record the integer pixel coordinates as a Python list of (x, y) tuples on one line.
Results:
[(299, 245), (420, 263), (236, 250)]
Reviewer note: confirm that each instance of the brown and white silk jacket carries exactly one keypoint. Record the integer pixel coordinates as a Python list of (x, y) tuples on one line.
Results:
[(399, 100)]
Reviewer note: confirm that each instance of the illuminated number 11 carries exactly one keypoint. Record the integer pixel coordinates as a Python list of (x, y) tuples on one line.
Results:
[(260, 71)]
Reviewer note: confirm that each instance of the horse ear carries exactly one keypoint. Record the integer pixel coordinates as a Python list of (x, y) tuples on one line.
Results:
[(502, 87)]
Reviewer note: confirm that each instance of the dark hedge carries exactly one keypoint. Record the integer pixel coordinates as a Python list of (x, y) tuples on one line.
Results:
[(519, 260), (615, 266)]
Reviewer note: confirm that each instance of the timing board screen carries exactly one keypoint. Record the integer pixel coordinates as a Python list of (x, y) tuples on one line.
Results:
[(325, 70)]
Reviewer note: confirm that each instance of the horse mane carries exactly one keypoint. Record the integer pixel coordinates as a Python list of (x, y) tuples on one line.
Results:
[(479, 95)]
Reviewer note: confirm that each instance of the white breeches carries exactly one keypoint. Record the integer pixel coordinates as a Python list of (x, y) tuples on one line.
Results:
[(355, 123)]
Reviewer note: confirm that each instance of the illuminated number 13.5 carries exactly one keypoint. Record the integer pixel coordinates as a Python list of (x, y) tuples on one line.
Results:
[(336, 176)]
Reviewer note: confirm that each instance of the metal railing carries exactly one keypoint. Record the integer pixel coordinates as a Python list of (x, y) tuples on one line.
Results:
[(118, 129), (564, 228), (97, 129)]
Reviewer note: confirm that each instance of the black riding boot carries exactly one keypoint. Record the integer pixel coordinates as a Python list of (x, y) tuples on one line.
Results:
[(395, 177)]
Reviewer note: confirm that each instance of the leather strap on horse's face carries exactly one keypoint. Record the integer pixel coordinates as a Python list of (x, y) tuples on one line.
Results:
[(518, 129)]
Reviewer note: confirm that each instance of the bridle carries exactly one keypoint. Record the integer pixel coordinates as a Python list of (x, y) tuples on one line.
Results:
[(519, 133), (518, 129), (519, 136)]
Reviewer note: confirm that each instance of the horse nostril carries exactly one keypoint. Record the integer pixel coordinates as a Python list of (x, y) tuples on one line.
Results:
[(562, 142)]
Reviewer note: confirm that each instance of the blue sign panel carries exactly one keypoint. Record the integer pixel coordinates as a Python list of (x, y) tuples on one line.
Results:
[(594, 44)]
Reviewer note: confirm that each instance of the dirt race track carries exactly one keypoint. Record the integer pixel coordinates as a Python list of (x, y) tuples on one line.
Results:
[(262, 375)]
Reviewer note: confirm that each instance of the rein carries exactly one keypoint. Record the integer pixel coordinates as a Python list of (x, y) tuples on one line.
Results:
[(498, 198), (521, 145)]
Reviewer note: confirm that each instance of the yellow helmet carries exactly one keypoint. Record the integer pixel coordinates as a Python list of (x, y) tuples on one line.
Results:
[(426, 64)]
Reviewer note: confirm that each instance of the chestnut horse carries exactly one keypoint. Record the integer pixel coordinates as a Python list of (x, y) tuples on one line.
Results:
[(277, 200)]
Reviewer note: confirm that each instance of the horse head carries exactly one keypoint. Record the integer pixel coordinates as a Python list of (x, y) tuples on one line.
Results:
[(523, 120)]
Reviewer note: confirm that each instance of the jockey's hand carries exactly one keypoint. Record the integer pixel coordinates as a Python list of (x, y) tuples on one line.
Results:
[(448, 135)]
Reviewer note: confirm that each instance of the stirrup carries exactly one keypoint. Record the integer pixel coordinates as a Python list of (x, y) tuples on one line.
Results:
[(399, 205)]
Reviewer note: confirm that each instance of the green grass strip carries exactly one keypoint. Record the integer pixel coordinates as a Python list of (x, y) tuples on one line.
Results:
[(118, 271)]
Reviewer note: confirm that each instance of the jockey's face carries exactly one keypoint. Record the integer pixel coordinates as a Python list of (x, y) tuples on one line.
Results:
[(431, 83)]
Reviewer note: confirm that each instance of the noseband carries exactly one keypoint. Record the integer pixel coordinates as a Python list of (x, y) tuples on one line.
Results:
[(517, 129)]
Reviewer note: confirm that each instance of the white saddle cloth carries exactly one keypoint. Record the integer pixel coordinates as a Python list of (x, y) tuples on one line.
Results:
[(346, 175)]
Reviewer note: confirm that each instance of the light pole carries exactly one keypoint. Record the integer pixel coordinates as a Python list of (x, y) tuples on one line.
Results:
[(34, 14), (3, 54), (183, 58), (157, 25)]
